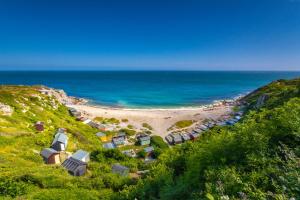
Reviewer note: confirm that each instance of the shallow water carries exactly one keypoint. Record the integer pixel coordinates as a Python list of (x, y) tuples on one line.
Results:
[(155, 89)]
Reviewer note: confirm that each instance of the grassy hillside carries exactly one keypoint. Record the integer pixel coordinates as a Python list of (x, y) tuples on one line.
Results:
[(258, 158), (22, 170)]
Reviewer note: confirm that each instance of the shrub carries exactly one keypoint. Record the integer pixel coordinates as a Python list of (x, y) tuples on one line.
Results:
[(146, 125), (157, 141), (128, 132), (184, 123), (12, 188)]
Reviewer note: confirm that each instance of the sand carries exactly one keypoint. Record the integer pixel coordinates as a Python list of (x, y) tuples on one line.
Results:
[(159, 119)]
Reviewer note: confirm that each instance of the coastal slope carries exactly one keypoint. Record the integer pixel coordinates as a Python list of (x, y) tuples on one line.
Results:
[(257, 158)]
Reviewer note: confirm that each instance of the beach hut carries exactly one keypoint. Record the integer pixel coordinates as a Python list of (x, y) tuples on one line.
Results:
[(144, 140), (119, 139), (169, 139), (50, 156), (61, 130), (102, 136), (86, 121), (81, 155), (93, 124), (194, 135), (39, 126), (77, 163), (203, 127), (60, 142), (176, 138), (75, 167), (121, 134), (120, 169), (185, 136), (148, 150), (109, 145)]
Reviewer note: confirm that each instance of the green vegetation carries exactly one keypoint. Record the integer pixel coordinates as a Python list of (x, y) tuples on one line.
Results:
[(124, 120), (107, 120), (258, 158), (146, 125), (158, 142), (130, 126), (181, 124), (129, 132), (23, 173)]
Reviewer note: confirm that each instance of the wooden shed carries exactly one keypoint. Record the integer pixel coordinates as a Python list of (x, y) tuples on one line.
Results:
[(50, 156)]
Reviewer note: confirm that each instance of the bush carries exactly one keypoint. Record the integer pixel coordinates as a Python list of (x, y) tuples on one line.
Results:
[(128, 132), (146, 125), (158, 142), (184, 123), (12, 188)]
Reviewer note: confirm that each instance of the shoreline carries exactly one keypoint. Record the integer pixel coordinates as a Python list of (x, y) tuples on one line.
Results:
[(160, 119), (87, 102)]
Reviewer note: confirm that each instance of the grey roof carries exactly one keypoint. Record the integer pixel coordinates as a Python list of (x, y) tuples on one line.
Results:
[(144, 138), (185, 136), (47, 152), (99, 134), (71, 164), (118, 140), (169, 139), (109, 145), (177, 138), (93, 124), (148, 149), (60, 130), (121, 134), (81, 155), (117, 168), (60, 137)]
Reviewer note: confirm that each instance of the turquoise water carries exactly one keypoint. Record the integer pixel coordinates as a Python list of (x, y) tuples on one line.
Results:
[(154, 89)]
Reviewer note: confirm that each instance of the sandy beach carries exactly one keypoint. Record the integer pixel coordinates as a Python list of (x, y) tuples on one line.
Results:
[(159, 119)]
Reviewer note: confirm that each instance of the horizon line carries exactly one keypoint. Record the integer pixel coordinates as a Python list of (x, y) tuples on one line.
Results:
[(139, 70)]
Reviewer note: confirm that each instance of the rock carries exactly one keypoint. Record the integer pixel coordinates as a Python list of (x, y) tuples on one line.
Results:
[(5, 109), (61, 97)]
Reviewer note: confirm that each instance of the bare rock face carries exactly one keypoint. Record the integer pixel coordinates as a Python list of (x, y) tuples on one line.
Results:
[(61, 96), (5, 109)]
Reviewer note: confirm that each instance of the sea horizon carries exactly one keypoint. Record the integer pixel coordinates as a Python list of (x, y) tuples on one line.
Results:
[(148, 89)]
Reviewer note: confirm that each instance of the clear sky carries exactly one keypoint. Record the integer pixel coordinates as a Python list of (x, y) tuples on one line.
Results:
[(150, 34)]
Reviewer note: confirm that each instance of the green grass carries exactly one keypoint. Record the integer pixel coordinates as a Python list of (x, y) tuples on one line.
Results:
[(22, 170), (148, 126), (183, 123), (107, 120), (257, 158)]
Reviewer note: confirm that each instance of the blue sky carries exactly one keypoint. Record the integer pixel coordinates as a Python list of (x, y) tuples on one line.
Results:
[(150, 35)]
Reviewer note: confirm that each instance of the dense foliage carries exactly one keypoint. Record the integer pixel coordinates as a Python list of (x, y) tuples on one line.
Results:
[(258, 158)]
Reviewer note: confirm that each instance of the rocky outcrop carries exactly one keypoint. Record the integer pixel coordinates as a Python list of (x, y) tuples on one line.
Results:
[(61, 96)]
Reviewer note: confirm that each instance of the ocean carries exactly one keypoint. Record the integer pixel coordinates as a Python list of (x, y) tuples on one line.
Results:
[(148, 89)]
